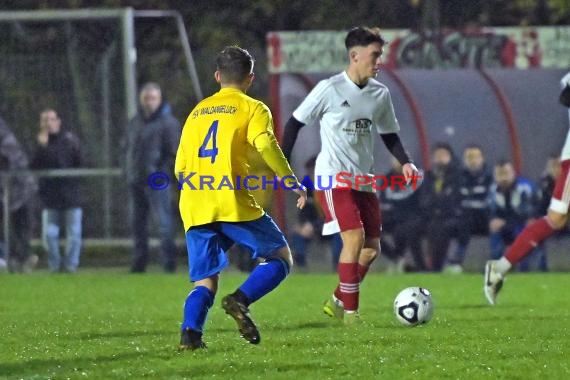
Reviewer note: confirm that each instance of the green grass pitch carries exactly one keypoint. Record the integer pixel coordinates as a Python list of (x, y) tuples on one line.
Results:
[(111, 325)]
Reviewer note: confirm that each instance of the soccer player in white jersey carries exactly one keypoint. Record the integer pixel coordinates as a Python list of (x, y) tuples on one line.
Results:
[(350, 107), (541, 229)]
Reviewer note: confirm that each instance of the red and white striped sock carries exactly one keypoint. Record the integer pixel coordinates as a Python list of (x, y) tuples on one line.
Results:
[(348, 289), (362, 271)]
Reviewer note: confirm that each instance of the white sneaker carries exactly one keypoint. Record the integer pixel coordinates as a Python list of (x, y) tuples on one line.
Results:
[(396, 267), (30, 263), (493, 281), (401, 265), (453, 269)]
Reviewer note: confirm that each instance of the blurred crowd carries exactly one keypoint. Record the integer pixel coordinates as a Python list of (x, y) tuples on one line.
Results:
[(428, 227), (149, 147)]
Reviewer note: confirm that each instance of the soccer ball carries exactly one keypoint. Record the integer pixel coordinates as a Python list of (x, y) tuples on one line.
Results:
[(413, 306)]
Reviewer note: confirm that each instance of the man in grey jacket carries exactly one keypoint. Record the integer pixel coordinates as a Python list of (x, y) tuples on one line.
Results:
[(152, 139), (22, 187)]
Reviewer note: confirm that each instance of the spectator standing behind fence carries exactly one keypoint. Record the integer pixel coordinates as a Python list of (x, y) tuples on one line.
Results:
[(152, 139), (513, 204), (22, 187), (402, 227), (474, 183), (60, 196), (440, 203), (547, 182)]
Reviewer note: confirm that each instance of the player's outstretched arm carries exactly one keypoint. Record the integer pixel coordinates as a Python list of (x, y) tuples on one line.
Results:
[(292, 128), (410, 172), (260, 135), (267, 146), (394, 146), (301, 191), (565, 93), (565, 96)]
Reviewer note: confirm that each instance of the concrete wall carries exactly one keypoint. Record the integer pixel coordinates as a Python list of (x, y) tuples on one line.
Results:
[(319, 256)]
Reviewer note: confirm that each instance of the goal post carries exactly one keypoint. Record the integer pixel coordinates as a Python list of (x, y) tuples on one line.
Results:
[(125, 15), (82, 63)]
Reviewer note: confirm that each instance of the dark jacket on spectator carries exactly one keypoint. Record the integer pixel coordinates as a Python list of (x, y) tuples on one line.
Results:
[(151, 145), (439, 194), (546, 186), (63, 151), (12, 157), (515, 205), (398, 204), (474, 189)]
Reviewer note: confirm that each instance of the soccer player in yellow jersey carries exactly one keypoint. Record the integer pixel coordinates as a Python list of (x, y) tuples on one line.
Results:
[(216, 206)]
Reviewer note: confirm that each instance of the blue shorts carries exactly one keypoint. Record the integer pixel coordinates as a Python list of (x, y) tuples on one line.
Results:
[(207, 244)]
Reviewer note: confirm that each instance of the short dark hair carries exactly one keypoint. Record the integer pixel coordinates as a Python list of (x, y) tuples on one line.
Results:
[(473, 146), (49, 109), (148, 86), (503, 162), (234, 63), (442, 145), (363, 36)]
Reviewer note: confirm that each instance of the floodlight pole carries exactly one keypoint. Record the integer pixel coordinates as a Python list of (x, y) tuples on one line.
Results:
[(6, 216), (129, 61)]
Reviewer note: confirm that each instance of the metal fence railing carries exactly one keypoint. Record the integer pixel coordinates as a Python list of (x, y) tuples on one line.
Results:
[(107, 175)]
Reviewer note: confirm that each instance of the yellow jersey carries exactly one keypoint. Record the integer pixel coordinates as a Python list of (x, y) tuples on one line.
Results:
[(212, 161)]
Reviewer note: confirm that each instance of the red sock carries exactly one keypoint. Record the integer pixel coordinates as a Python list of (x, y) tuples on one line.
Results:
[(337, 292), (348, 288), (528, 239), (362, 270)]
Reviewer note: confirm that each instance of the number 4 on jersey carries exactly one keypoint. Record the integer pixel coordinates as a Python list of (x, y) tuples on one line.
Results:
[(211, 135)]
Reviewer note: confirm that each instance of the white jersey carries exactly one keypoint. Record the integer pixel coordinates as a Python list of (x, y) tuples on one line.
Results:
[(348, 115), (566, 149)]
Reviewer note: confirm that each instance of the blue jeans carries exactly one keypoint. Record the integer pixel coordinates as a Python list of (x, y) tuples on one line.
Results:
[(299, 245), (51, 225), (537, 260), (501, 239), (336, 247), (145, 201)]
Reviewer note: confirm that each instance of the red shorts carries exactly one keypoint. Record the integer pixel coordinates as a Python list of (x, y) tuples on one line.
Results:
[(561, 194), (349, 209)]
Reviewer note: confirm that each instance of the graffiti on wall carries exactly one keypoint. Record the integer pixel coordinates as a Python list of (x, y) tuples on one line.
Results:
[(509, 47), (453, 49)]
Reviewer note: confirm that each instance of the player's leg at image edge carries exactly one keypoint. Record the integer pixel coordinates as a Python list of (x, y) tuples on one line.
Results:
[(263, 279), (530, 237), (533, 234)]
